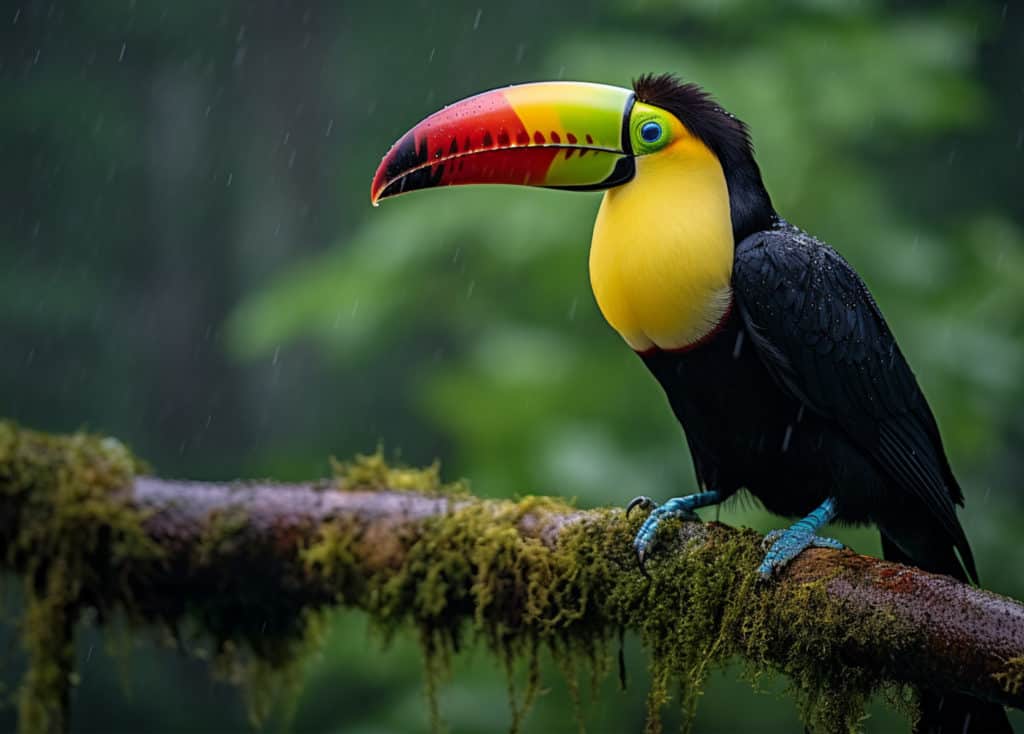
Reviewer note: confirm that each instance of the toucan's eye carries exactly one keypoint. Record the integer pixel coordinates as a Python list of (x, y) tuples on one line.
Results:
[(650, 132), (651, 129)]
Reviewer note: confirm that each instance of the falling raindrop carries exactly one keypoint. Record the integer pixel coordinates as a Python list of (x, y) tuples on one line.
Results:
[(120, 56), (476, 20)]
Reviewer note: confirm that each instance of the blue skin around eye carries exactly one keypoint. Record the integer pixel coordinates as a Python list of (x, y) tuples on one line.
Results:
[(650, 132)]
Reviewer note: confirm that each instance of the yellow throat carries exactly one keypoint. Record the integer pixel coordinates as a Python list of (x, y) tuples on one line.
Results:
[(662, 250)]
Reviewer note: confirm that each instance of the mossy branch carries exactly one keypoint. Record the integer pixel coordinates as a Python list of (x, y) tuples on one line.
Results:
[(252, 563)]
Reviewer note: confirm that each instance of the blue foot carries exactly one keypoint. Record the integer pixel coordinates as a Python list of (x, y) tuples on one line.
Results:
[(785, 545), (679, 507)]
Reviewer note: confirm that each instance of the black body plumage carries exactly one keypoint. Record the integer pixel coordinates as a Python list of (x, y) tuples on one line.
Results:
[(803, 394)]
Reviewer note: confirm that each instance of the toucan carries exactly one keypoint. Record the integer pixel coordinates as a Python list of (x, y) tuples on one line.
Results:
[(773, 354)]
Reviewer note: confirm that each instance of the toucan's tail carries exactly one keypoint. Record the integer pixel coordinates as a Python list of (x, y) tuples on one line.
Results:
[(946, 712)]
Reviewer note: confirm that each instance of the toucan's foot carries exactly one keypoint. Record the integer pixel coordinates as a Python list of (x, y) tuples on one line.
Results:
[(678, 507), (782, 546)]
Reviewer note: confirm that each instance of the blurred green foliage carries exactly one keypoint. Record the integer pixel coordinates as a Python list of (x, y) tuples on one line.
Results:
[(188, 260)]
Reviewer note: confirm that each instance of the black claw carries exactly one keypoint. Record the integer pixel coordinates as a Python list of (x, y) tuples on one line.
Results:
[(641, 559), (636, 502)]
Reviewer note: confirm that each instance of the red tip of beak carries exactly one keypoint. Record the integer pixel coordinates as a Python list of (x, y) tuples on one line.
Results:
[(478, 140)]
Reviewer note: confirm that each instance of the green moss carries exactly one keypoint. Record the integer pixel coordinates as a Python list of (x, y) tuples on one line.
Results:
[(223, 533), (271, 677), (1011, 678), (73, 535), (372, 471), (705, 607), (475, 573)]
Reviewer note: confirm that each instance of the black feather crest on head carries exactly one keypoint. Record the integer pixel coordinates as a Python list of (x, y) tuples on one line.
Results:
[(718, 129)]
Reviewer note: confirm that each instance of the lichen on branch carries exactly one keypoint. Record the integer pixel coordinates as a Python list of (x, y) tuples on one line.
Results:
[(518, 577)]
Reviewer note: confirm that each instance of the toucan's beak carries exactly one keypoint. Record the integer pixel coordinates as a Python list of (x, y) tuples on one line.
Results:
[(566, 135)]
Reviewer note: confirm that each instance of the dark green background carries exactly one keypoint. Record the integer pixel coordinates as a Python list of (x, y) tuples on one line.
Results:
[(189, 261)]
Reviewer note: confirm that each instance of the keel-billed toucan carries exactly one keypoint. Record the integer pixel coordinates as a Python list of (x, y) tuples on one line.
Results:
[(773, 354)]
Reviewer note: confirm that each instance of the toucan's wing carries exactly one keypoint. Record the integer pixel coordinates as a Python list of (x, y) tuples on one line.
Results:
[(822, 337)]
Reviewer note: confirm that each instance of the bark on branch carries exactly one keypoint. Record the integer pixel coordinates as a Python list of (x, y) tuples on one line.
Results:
[(248, 559)]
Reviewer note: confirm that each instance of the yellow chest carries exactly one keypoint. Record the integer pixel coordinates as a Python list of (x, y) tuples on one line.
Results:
[(662, 250)]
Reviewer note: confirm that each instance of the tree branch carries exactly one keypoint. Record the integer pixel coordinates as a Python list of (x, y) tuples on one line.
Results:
[(967, 634), (249, 560)]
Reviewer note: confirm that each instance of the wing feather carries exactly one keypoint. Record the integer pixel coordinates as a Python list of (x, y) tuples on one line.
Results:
[(821, 335)]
